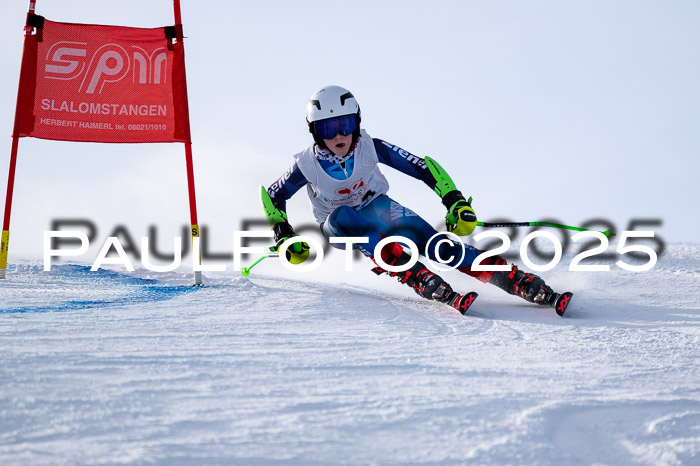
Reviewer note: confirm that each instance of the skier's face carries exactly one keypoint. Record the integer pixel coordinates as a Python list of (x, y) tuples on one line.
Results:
[(339, 145)]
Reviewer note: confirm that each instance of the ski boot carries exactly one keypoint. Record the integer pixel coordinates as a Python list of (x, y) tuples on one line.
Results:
[(531, 288), (424, 282)]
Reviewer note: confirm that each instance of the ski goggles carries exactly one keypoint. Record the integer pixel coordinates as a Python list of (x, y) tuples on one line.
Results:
[(327, 129)]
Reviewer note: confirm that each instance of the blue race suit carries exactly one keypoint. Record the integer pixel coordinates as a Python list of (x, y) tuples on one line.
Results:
[(380, 217)]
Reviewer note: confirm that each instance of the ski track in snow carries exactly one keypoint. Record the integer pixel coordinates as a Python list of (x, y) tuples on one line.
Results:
[(117, 368)]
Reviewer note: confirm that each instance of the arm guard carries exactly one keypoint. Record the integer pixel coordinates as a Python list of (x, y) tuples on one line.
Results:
[(444, 183), (277, 219), (444, 186), (272, 214), (460, 218)]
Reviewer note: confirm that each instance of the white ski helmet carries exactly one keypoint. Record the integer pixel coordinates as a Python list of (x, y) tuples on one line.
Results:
[(330, 102)]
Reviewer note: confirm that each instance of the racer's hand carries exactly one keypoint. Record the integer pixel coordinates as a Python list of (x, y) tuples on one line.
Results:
[(297, 252), (460, 218)]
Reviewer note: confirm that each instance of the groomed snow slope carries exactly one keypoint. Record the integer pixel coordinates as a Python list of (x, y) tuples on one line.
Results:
[(115, 368)]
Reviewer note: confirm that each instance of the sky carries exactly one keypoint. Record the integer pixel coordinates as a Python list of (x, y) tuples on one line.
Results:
[(570, 111)]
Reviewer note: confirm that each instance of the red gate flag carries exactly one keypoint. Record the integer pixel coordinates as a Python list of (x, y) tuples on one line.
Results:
[(92, 83)]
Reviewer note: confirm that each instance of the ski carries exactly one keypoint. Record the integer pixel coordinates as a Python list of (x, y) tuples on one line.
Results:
[(462, 302), (560, 301)]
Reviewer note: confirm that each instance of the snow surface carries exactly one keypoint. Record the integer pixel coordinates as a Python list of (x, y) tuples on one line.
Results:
[(112, 367)]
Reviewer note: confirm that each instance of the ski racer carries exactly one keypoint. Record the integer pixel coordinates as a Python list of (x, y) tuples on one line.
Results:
[(349, 198)]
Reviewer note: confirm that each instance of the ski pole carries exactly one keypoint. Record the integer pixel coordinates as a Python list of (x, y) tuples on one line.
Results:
[(245, 271), (607, 233)]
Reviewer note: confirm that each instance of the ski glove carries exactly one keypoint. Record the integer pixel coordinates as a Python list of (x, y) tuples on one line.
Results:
[(460, 218), (297, 252)]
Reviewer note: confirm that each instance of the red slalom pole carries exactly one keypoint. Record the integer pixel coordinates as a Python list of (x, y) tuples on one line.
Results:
[(188, 144), (178, 15), (5, 235)]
